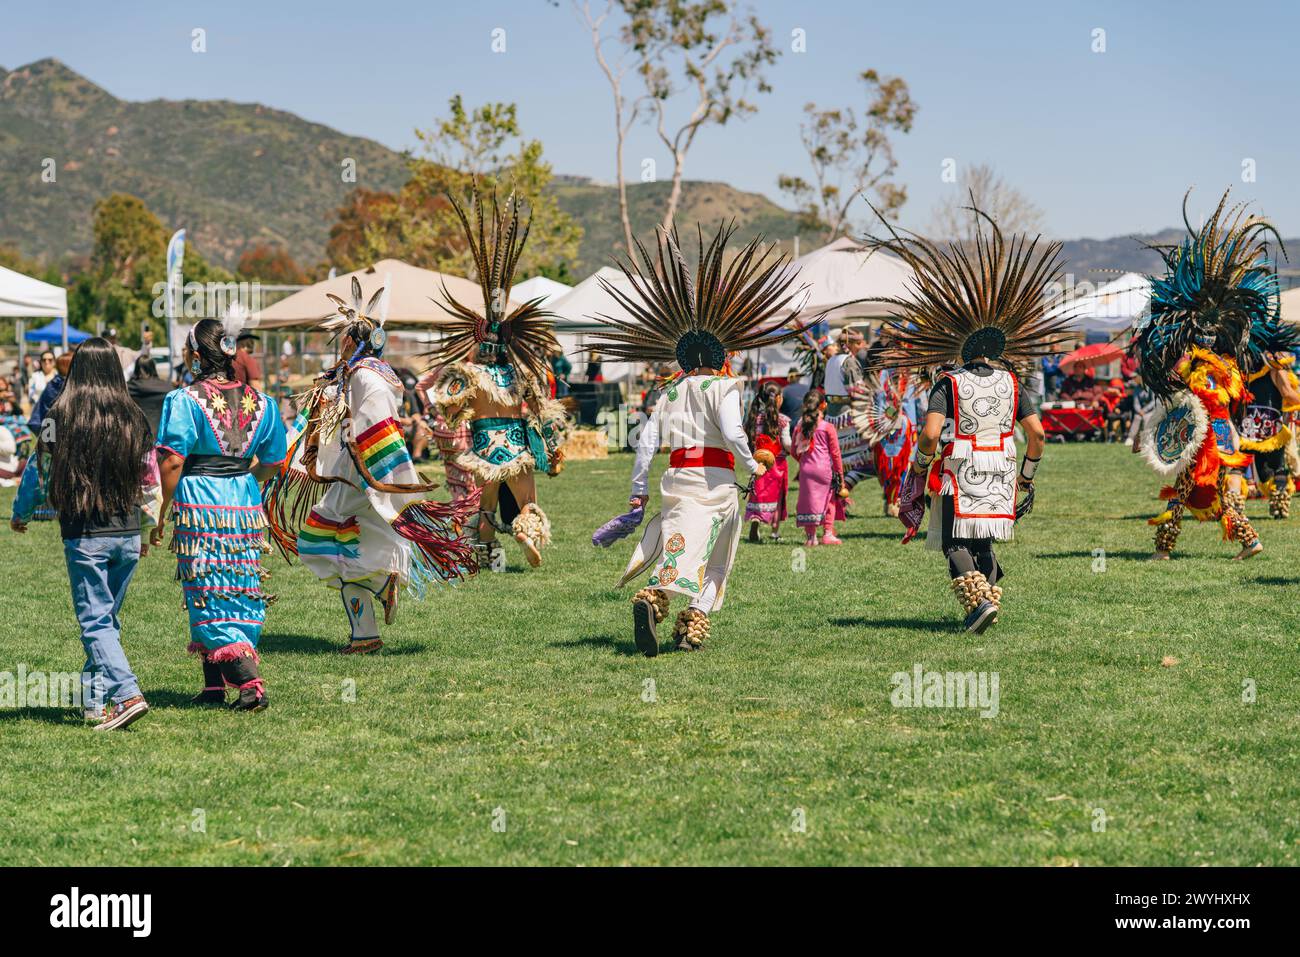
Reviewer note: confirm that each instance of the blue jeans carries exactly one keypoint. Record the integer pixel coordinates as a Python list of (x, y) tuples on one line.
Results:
[(99, 569)]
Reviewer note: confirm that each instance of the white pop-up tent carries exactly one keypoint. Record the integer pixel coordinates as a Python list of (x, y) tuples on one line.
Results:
[(841, 272), (1291, 305), (23, 297), (575, 310), (1112, 307), (539, 287)]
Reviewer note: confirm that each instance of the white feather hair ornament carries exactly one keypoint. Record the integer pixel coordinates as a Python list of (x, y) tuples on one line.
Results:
[(363, 320), (236, 319)]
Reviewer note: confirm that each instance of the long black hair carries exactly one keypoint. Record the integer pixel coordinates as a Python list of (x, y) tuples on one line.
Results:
[(767, 404), (98, 438), (145, 368), (213, 362), (812, 408)]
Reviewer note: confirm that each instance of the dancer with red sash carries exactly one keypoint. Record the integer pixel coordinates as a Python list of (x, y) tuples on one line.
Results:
[(696, 320)]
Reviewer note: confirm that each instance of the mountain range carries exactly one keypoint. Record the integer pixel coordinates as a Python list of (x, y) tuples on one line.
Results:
[(237, 174)]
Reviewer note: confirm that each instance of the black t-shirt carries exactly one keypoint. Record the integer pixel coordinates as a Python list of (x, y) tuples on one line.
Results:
[(941, 394), (115, 526), (792, 399)]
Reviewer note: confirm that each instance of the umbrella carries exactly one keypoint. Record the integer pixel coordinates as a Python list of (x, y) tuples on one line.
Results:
[(1097, 354)]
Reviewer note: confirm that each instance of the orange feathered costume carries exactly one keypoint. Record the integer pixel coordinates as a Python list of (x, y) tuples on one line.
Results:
[(1217, 382)]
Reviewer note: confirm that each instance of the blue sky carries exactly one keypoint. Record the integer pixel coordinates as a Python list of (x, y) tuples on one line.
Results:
[(1105, 143)]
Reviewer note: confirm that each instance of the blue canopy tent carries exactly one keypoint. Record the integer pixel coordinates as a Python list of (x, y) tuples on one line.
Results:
[(53, 332)]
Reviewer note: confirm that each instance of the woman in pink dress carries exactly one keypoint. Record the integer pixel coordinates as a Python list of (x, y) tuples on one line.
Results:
[(768, 430), (821, 473)]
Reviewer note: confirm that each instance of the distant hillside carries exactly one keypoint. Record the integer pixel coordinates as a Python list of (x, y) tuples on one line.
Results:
[(596, 208), (233, 173), (1095, 259), (239, 173)]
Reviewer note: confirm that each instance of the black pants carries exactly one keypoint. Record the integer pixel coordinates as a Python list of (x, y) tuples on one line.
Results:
[(1271, 464), (967, 554)]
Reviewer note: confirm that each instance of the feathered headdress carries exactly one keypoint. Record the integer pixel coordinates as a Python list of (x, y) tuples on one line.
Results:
[(697, 318), (362, 321), (524, 337), (988, 301), (1217, 289), (876, 406), (810, 355)]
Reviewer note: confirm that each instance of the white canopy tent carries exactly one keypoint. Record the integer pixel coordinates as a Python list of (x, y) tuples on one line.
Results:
[(539, 287), (23, 297), (842, 271), (576, 309), (1112, 307), (1291, 305), (27, 298)]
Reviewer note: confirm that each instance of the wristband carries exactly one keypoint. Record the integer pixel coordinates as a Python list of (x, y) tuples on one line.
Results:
[(1028, 467)]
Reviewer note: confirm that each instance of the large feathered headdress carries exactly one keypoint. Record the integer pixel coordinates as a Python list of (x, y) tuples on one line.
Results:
[(988, 300), (524, 337), (1218, 286), (361, 320), (697, 317)]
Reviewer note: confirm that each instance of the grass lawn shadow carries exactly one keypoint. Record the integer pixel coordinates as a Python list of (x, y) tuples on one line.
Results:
[(1136, 554), (906, 624), (48, 715), (625, 648), (316, 645)]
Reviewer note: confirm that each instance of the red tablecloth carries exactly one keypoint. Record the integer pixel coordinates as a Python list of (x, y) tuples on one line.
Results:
[(1072, 421)]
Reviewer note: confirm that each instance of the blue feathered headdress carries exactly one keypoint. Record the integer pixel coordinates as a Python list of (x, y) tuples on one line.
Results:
[(1218, 288)]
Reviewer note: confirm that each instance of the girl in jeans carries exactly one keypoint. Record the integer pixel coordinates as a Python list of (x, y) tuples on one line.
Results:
[(95, 465)]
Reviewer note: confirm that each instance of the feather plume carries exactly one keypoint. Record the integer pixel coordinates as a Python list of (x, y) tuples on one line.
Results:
[(237, 318), (1218, 291), (524, 337), (671, 303), (989, 299)]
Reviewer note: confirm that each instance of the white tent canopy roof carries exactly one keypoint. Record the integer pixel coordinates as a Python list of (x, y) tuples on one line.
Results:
[(548, 290), (25, 297), (1113, 306), (413, 300), (1291, 305), (841, 271), (589, 298)]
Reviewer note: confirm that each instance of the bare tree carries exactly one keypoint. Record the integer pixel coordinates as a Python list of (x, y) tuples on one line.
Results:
[(718, 50), (1011, 209), (624, 115), (851, 158)]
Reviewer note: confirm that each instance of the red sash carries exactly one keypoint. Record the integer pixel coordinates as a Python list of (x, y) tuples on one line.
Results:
[(697, 457)]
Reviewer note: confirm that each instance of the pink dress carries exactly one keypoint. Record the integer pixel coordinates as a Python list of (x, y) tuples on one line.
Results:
[(767, 503), (819, 460)]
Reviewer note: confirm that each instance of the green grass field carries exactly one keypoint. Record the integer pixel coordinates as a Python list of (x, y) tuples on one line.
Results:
[(523, 692)]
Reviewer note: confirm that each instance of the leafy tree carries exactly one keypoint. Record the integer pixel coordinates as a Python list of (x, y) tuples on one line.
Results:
[(128, 261), (126, 232), (418, 225), (712, 48), (270, 264), (852, 157)]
